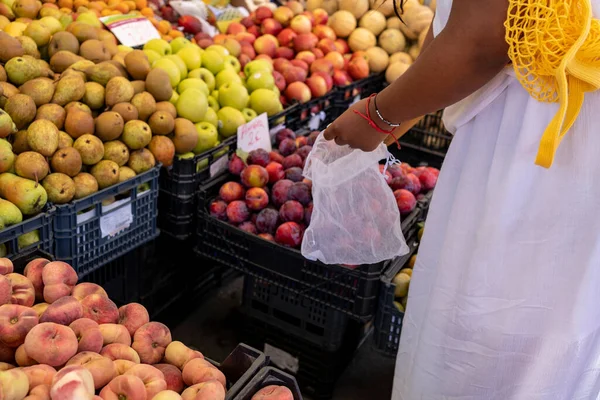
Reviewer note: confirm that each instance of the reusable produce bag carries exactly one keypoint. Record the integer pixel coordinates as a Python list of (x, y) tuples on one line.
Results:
[(355, 219)]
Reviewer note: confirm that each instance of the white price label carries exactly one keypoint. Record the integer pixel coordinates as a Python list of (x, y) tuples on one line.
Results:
[(282, 359), (116, 221), (254, 135), (315, 121), (218, 166), (131, 30)]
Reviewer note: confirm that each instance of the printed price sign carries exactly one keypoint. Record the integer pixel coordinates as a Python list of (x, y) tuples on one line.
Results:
[(116, 221), (254, 135), (218, 166), (131, 30)]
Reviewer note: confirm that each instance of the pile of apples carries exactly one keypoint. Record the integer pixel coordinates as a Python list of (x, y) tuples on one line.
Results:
[(69, 341), (409, 184)]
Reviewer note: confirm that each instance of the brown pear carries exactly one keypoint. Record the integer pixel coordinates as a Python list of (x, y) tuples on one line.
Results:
[(111, 47), (136, 134), (64, 140), (20, 144), (21, 109), (9, 47), (141, 161), (62, 60), (26, 8), (79, 123), (8, 90), (60, 188), (94, 50), (116, 151), (31, 165), (168, 107), (76, 105), (145, 104), (125, 173), (159, 85), (118, 90), (30, 47), (85, 185), (68, 89), (53, 113), (79, 68), (185, 136), (3, 76), (42, 136), (66, 161), (107, 37), (40, 90), (7, 12), (39, 33), (64, 41), (127, 111), (94, 95), (106, 173), (109, 126), (102, 73), (138, 86), (90, 148), (83, 31), (161, 123), (162, 149), (137, 64)]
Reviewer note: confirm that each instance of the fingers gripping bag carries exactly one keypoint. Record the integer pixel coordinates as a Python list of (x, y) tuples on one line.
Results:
[(355, 218)]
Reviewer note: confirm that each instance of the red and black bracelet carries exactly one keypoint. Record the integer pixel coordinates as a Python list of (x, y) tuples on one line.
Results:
[(367, 117)]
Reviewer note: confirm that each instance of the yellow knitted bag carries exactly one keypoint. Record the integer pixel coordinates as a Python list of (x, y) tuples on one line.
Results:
[(554, 46)]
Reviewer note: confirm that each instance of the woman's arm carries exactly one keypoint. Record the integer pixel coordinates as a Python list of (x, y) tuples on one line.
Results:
[(469, 52)]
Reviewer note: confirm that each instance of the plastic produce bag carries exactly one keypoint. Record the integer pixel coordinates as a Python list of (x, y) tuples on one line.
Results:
[(355, 219)]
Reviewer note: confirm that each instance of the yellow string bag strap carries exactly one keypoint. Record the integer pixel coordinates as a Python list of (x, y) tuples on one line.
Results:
[(554, 46)]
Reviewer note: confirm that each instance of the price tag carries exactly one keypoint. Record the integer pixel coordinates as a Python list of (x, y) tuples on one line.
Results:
[(254, 135), (315, 121), (196, 9), (116, 221), (282, 359), (131, 30), (218, 166)]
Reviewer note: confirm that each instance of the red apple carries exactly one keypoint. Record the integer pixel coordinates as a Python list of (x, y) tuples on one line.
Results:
[(300, 64), (284, 52), (328, 79), (262, 13), (321, 16), (283, 15), (279, 80), (318, 53), (295, 6), (358, 68), (253, 30), (310, 17), (342, 46), (266, 44), (247, 22), (305, 41), (326, 46), (286, 37), (324, 32), (190, 24), (244, 59), (317, 86), (323, 65), (297, 91), (264, 57), (294, 74), (301, 24), (235, 27), (307, 56), (248, 50), (245, 37), (337, 59), (281, 64), (270, 26), (341, 78), (359, 54)]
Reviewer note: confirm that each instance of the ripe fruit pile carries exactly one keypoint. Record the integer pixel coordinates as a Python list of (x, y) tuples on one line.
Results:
[(70, 341), (409, 184), (402, 282), (273, 200)]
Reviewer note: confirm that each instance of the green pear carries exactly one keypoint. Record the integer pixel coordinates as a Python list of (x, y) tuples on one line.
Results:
[(9, 214), (29, 196)]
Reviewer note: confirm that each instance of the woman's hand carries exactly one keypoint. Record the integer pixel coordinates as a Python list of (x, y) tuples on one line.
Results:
[(353, 130)]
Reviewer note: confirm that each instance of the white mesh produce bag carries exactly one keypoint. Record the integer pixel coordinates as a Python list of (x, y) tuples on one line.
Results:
[(355, 218)]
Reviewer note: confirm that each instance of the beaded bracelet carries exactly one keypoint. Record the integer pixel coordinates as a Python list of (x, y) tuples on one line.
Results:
[(372, 123), (381, 116)]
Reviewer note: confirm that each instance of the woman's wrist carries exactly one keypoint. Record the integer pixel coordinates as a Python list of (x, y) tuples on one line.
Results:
[(379, 116)]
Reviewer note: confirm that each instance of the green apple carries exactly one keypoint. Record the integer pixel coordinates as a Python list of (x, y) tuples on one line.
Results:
[(152, 56), (180, 64), (178, 44), (192, 105), (213, 61), (174, 98), (276, 90), (186, 156), (265, 100), (260, 80), (227, 76), (65, 20), (249, 114), (229, 120), (170, 68), (205, 75), (215, 94), (257, 65), (207, 137), (234, 95), (160, 46), (232, 62), (219, 49), (191, 57), (211, 116), (213, 103), (126, 49), (192, 83), (89, 18)]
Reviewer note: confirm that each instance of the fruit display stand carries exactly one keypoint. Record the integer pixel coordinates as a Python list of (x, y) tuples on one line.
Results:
[(347, 95), (269, 376), (33, 233), (88, 234)]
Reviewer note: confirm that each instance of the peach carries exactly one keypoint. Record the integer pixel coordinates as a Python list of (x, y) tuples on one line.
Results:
[(324, 32), (199, 370), (275, 171), (23, 292), (40, 308), (88, 335), (15, 323), (115, 333), (4, 366), (63, 311), (59, 278), (167, 395), (231, 191), (100, 309), (124, 387), (255, 176), (266, 44), (102, 369), (14, 384), (150, 341), (153, 379), (5, 290), (295, 73), (40, 374), (6, 266), (172, 376), (286, 37), (22, 359), (118, 351), (178, 354), (7, 354), (274, 392), (50, 343), (33, 272), (256, 199), (212, 390), (122, 366), (284, 52), (72, 383), (85, 289), (39, 392), (133, 316), (405, 200), (271, 26), (305, 41)]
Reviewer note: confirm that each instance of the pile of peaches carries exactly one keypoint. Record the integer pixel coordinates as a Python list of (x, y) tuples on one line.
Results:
[(409, 184), (69, 341)]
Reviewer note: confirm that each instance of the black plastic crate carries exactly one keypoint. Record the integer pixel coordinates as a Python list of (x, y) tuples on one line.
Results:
[(88, 235), (21, 260), (350, 290), (429, 138), (349, 94), (176, 215), (317, 370), (388, 320), (266, 377), (42, 223), (315, 113)]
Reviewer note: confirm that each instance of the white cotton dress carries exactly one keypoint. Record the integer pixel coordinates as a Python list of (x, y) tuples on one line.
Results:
[(504, 303)]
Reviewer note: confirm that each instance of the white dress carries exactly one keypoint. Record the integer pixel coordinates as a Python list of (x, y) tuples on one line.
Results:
[(504, 302)]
